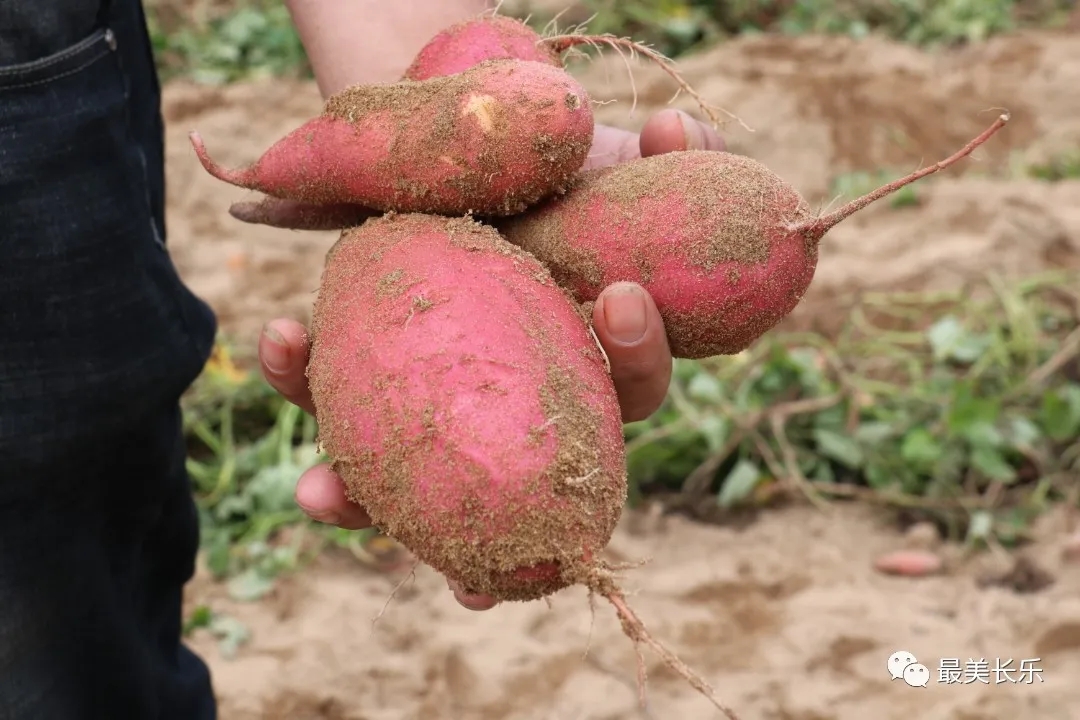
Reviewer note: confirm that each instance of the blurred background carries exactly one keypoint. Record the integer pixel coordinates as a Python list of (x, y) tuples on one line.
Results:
[(923, 399)]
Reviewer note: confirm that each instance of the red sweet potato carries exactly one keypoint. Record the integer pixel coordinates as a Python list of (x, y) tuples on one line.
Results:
[(467, 407), (491, 140), (724, 246), (454, 50), (909, 563), (488, 37)]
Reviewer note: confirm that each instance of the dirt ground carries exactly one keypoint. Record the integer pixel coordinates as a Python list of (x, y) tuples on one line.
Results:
[(786, 617)]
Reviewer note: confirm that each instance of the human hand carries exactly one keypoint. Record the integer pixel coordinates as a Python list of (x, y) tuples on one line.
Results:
[(625, 319)]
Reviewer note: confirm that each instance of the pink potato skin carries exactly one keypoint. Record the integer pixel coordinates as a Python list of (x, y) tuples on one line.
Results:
[(465, 44), (466, 405), (653, 221), (492, 140)]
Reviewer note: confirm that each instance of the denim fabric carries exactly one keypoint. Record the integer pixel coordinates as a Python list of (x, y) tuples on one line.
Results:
[(32, 29), (98, 339)]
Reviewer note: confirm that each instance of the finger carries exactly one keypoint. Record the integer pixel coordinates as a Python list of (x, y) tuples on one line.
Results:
[(283, 355), (632, 332), (471, 602), (611, 146), (673, 130), (320, 493)]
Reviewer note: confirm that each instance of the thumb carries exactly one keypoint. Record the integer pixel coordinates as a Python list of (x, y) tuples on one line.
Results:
[(632, 334), (673, 130)]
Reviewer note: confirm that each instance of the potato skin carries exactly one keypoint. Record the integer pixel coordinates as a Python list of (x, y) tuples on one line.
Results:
[(491, 140), (467, 43), (466, 405), (708, 234)]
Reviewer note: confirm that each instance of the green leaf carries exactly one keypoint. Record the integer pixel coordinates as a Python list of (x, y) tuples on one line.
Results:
[(806, 363), (218, 555), (881, 476), (842, 448), (715, 429), (980, 526), (739, 483), (1023, 433), (950, 340), (1059, 414), (200, 617), (983, 434), (968, 410), (704, 386), (231, 634), (921, 448), (249, 585), (833, 418), (872, 433), (990, 463), (273, 488)]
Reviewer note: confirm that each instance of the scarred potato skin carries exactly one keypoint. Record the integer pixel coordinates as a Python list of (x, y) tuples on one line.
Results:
[(491, 140), (466, 405), (708, 234), (467, 43)]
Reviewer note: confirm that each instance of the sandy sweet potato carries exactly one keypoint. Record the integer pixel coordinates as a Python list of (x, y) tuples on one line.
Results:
[(468, 408), (469, 42), (466, 404), (725, 247), (492, 140)]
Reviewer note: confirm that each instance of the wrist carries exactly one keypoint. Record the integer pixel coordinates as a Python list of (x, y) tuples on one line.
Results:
[(371, 41)]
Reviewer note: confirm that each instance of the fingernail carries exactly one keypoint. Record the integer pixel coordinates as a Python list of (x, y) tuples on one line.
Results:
[(624, 312), (693, 132), (329, 518), (276, 353), (468, 600)]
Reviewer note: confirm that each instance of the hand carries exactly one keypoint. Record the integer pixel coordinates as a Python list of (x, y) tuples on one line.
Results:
[(625, 319)]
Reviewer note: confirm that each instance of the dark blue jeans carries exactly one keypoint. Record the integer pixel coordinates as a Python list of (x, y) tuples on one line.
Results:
[(98, 339)]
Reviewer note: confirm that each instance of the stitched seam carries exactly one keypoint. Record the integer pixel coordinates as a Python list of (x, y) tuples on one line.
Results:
[(54, 78), (46, 63)]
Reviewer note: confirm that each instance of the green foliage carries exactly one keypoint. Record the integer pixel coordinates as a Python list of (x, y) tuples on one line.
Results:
[(233, 39), (962, 407), (852, 185), (248, 38), (953, 407), (246, 449), (675, 26), (229, 631), (1065, 166)]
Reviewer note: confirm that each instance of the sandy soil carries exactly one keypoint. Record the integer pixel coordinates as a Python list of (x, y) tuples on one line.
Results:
[(785, 617)]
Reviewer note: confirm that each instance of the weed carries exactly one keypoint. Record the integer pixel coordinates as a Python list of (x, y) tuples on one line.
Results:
[(959, 410)]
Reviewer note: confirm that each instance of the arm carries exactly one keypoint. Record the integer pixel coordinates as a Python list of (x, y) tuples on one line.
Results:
[(367, 41)]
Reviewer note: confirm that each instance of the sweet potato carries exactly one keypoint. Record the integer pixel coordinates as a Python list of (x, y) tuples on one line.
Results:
[(909, 563), (492, 140), (466, 404), (724, 246), (488, 37), (454, 50), (468, 408)]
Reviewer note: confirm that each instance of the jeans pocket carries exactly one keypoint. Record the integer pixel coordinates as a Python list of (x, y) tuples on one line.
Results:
[(68, 61), (97, 329)]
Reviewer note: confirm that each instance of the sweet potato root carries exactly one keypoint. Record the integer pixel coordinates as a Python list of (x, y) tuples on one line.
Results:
[(492, 140)]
